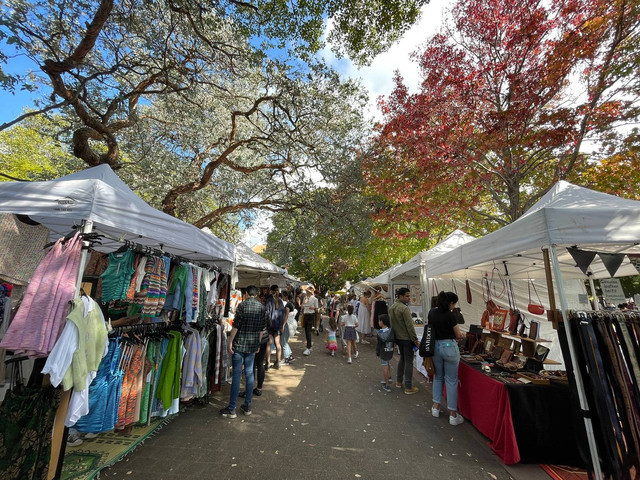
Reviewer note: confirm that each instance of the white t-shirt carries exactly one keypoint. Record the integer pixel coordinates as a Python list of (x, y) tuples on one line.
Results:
[(310, 305), (349, 320)]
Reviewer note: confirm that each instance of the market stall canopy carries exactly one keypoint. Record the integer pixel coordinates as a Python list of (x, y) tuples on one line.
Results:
[(409, 272), (566, 216), (252, 269), (97, 194), (385, 277)]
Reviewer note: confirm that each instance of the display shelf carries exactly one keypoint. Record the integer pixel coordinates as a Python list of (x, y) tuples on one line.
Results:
[(506, 333)]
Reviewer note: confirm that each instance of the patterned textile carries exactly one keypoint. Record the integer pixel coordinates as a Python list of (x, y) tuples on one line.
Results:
[(26, 422), (117, 277), (250, 319), (129, 393), (152, 299), (41, 316), (104, 393), (21, 248)]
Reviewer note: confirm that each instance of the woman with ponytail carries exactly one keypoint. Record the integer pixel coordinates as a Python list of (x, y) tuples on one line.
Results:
[(447, 355)]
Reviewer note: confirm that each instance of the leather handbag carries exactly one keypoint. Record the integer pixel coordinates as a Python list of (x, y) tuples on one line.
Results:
[(535, 308), (468, 287), (485, 318), (456, 311), (427, 342), (434, 294)]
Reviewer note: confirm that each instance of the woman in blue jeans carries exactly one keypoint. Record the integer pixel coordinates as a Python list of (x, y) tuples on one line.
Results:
[(447, 355)]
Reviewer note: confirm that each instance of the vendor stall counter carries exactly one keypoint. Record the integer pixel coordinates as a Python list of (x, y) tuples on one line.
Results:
[(524, 423)]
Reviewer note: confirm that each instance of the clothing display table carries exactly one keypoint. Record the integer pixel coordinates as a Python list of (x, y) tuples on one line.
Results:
[(524, 423)]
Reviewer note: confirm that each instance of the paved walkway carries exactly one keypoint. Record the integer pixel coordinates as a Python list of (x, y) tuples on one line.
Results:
[(320, 418)]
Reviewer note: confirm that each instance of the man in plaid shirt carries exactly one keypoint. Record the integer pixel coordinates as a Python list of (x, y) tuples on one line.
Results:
[(249, 324)]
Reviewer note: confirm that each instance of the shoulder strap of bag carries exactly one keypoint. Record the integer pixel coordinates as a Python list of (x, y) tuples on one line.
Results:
[(531, 284)]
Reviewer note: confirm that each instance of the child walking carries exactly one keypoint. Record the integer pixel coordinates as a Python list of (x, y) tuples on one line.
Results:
[(332, 342), (350, 323), (384, 348)]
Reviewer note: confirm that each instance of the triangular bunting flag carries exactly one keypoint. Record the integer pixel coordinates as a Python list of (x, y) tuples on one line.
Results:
[(635, 261), (612, 261), (582, 258)]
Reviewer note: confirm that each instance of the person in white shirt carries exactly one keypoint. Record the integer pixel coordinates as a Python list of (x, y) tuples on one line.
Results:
[(309, 309), (350, 323)]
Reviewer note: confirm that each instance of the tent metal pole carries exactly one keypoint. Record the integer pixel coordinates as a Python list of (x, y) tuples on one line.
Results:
[(424, 284), (596, 303), (584, 407), (87, 227)]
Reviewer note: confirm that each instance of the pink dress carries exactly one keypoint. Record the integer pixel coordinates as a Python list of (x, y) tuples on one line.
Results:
[(41, 317)]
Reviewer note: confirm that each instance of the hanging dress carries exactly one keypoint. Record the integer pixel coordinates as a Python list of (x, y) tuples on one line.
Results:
[(364, 327), (41, 317)]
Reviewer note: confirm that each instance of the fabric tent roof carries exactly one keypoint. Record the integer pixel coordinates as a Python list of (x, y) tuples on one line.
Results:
[(385, 277), (251, 268), (97, 194), (409, 272), (566, 216)]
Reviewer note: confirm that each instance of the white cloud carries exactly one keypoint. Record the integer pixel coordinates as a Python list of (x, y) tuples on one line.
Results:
[(257, 233), (378, 77)]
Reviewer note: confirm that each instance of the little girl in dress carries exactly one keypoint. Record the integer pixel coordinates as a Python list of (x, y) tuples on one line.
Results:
[(332, 343)]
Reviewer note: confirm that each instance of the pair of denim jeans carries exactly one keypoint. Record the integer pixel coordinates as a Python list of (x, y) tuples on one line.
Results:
[(238, 359), (446, 360)]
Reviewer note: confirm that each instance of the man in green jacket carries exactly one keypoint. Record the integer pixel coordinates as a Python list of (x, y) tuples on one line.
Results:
[(406, 339)]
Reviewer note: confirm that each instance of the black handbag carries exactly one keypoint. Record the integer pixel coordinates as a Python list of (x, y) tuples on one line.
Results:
[(428, 342)]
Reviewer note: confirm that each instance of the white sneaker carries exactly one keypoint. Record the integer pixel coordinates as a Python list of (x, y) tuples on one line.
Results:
[(306, 351), (349, 360), (356, 355), (333, 354), (73, 440), (457, 420), (435, 412)]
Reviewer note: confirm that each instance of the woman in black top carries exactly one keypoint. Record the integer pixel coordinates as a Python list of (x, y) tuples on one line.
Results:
[(447, 355)]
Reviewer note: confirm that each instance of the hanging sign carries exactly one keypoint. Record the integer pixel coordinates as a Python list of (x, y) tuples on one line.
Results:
[(612, 291)]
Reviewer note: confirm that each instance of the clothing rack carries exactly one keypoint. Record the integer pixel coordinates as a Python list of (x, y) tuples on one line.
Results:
[(92, 238), (159, 252)]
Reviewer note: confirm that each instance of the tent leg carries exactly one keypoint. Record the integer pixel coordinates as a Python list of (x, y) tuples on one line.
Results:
[(596, 303), (87, 227), (424, 287), (593, 449)]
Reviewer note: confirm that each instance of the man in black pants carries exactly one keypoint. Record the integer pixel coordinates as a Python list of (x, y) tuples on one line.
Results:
[(309, 309), (406, 338)]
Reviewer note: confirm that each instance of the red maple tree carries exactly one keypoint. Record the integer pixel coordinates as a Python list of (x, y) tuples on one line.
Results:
[(498, 119)]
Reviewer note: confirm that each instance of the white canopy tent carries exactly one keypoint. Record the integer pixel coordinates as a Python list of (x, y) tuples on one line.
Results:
[(98, 197), (253, 269), (410, 272), (567, 216)]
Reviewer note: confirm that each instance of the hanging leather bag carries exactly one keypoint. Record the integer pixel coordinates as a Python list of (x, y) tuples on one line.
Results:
[(534, 308), (434, 294), (468, 287), (456, 311)]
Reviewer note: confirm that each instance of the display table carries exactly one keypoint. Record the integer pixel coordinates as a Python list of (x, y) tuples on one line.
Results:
[(524, 423)]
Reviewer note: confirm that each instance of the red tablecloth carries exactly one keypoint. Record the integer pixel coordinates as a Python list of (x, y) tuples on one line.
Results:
[(485, 402)]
